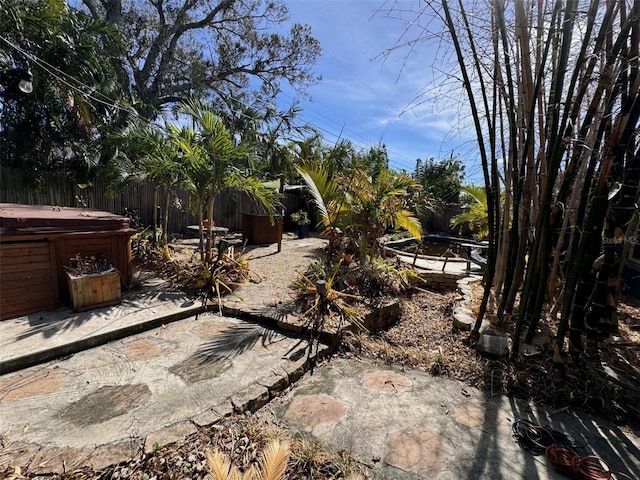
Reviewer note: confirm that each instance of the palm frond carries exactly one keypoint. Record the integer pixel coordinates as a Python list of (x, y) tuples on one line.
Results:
[(274, 460), (407, 220), (220, 466), (316, 194)]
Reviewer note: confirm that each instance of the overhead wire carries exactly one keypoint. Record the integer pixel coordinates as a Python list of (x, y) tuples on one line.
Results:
[(336, 136), (90, 93), (59, 74), (106, 101), (339, 136)]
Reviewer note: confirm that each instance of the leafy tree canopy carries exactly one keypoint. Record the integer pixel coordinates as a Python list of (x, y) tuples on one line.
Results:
[(176, 49), (440, 179), (60, 124)]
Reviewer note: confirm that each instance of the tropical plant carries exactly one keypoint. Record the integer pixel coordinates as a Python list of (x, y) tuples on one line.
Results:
[(474, 216), (354, 212), (441, 184), (150, 155), (272, 139), (441, 178), (309, 150), (212, 163), (333, 299), (65, 123), (329, 201), (378, 203), (361, 207), (301, 217)]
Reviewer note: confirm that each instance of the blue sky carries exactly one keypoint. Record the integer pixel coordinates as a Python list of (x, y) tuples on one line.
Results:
[(367, 97)]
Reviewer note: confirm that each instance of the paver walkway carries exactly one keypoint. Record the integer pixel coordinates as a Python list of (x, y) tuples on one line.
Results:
[(42, 336), (144, 390), (407, 424)]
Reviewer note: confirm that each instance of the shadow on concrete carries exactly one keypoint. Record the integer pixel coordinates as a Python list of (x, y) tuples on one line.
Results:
[(233, 342), (488, 445), (592, 435), (50, 324)]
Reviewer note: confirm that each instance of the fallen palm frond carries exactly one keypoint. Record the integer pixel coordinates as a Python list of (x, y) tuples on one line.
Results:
[(211, 280), (220, 466), (274, 460), (330, 304), (272, 464), (350, 288)]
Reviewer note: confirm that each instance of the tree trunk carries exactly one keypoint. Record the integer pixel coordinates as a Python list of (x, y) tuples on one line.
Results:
[(154, 214), (537, 266), (210, 204), (618, 145), (165, 218)]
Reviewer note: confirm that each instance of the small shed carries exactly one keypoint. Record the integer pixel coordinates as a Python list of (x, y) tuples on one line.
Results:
[(36, 242)]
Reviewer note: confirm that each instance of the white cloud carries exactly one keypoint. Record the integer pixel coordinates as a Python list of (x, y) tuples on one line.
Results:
[(369, 100)]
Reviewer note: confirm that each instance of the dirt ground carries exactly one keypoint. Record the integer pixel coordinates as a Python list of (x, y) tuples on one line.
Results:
[(423, 338)]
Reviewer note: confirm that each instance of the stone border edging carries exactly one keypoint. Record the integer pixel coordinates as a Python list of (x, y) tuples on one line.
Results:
[(464, 320), (53, 353)]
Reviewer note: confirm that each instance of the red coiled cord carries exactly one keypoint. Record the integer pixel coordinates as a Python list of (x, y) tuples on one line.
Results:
[(561, 457)]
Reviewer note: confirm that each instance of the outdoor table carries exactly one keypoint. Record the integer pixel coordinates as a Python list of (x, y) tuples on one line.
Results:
[(218, 232)]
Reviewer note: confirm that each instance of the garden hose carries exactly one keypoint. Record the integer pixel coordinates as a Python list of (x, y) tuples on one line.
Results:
[(559, 450)]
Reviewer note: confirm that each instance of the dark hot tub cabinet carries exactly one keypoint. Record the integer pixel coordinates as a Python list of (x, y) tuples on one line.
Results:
[(36, 242)]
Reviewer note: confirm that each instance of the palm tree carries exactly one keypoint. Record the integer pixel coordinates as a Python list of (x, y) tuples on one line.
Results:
[(147, 154), (379, 203), (165, 170), (309, 149), (474, 201), (213, 162), (361, 206)]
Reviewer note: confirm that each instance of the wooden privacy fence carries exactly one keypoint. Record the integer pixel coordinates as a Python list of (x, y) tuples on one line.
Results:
[(138, 198)]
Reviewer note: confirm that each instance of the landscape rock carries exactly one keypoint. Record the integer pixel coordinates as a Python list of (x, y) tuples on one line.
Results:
[(463, 322), (463, 309), (486, 328), (168, 435), (493, 345)]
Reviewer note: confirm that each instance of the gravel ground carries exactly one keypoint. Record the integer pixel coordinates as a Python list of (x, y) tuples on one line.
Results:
[(272, 272), (423, 338)]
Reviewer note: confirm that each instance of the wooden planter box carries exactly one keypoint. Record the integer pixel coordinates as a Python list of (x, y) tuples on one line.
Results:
[(94, 291), (257, 228)]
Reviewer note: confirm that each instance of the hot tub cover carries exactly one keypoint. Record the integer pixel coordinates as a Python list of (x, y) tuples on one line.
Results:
[(16, 219)]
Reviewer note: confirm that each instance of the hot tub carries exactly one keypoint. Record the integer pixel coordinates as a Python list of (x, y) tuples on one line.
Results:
[(37, 241)]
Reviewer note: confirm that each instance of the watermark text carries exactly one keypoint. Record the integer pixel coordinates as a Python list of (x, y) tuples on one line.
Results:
[(634, 240)]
